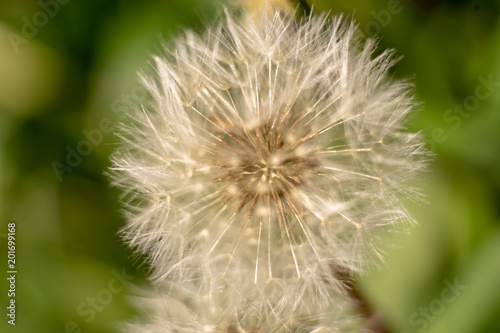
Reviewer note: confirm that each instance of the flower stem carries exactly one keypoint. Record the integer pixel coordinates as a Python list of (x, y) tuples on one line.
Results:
[(374, 319), (305, 6)]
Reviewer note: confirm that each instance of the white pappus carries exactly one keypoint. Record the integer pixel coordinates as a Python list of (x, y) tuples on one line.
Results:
[(271, 161)]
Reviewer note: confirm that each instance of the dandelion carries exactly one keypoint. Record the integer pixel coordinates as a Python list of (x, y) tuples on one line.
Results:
[(181, 308), (270, 162)]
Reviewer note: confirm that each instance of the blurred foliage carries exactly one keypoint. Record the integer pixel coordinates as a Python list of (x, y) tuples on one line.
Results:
[(77, 72)]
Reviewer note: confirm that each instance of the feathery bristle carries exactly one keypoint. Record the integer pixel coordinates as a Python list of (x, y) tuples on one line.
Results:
[(274, 153)]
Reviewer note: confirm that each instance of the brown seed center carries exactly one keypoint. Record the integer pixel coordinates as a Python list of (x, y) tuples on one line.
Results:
[(265, 164)]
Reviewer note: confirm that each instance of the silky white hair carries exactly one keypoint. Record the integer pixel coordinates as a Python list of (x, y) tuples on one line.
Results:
[(270, 163)]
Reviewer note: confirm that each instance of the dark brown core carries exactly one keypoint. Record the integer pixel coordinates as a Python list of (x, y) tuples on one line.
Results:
[(263, 165)]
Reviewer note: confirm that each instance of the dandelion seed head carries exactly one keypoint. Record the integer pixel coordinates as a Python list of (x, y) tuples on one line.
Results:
[(176, 308), (274, 154)]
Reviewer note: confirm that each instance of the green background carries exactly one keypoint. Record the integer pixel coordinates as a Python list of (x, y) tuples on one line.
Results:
[(79, 68)]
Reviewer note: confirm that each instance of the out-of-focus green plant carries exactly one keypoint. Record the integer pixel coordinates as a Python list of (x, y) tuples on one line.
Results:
[(79, 70)]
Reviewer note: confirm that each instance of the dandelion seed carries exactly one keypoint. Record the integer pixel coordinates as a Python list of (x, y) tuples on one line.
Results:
[(179, 308), (274, 153)]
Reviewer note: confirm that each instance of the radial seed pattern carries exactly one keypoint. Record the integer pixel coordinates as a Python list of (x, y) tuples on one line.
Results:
[(274, 153)]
